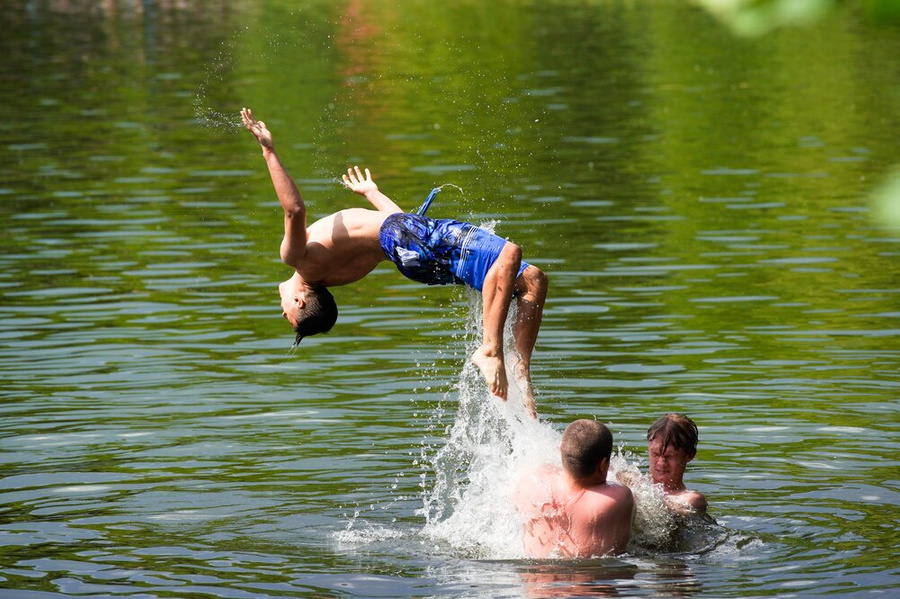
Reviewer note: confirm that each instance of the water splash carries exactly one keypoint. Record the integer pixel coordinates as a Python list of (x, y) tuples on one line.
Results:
[(657, 526), (216, 73), (454, 186), (467, 480), (365, 533), (214, 119), (491, 443)]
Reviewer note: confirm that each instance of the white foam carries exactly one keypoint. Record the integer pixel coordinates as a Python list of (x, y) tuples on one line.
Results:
[(467, 477), (490, 444)]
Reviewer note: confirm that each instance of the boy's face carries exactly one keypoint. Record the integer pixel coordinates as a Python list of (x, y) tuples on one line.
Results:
[(666, 467), (292, 299)]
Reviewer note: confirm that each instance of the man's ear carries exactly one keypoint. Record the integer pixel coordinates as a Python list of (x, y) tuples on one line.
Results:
[(603, 466), (299, 302)]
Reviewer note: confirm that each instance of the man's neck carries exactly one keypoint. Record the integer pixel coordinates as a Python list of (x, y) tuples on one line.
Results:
[(585, 483)]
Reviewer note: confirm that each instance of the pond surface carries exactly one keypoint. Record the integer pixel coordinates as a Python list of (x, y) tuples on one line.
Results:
[(701, 203)]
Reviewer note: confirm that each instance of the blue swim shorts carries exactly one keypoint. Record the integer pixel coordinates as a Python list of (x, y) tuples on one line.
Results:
[(440, 251)]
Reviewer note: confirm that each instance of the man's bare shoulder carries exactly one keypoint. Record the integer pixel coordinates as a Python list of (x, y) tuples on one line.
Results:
[(542, 472), (540, 478), (535, 490), (614, 490), (695, 499), (609, 498)]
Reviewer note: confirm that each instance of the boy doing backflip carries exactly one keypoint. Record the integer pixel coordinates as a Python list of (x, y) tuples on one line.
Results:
[(346, 246)]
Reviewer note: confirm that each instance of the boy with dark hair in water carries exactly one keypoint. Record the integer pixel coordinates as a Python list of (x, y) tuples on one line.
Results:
[(671, 444), (346, 246)]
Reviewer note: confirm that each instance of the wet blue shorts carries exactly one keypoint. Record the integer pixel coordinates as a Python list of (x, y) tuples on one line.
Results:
[(440, 251)]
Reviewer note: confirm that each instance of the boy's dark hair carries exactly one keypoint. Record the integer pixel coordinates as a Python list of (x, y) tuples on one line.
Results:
[(318, 316), (676, 430), (585, 443)]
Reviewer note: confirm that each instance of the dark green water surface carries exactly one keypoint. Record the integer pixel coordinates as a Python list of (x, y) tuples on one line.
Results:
[(701, 203)]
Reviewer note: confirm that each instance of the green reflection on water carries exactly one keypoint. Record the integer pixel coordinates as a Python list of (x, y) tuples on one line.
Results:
[(700, 202)]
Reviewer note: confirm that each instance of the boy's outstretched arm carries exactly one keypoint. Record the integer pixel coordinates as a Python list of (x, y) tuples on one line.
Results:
[(365, 186), (293, 246)]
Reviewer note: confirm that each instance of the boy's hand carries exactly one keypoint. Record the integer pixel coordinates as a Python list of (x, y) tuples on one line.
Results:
[(258, 129), (355, 182)]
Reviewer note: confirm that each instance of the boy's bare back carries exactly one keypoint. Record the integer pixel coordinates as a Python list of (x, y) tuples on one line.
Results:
[(341, 248), (562, 519)]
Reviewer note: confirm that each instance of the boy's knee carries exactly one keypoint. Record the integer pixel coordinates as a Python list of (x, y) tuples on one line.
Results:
[(539, 280), (533, 282), (512, 251)]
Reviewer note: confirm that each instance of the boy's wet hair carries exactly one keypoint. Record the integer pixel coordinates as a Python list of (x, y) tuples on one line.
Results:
[(585, 443), (676, 430), (318, 316)]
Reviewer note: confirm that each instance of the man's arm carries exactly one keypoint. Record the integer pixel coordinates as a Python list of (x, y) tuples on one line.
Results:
[(293, 246), (366, 187), (629, 512), (687, 502), (697, 500)]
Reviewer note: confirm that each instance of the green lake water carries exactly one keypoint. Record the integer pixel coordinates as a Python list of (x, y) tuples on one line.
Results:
[(701, 202)]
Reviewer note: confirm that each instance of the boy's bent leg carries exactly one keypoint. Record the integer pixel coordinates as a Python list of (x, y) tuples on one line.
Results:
[(496, 296), (532, 293)]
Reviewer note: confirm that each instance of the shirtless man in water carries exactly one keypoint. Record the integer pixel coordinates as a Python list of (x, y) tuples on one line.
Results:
[(671, 444), (574, 512), (346, 246)]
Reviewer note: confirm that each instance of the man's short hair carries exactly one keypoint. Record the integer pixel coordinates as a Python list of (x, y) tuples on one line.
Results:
[(676, 430), (318, 315), (585, 443)]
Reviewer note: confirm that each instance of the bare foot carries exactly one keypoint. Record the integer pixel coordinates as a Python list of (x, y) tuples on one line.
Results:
[(523, 378), (528, 402), (493, 371)]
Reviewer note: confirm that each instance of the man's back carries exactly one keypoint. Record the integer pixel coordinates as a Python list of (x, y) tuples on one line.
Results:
[(564, 519)]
